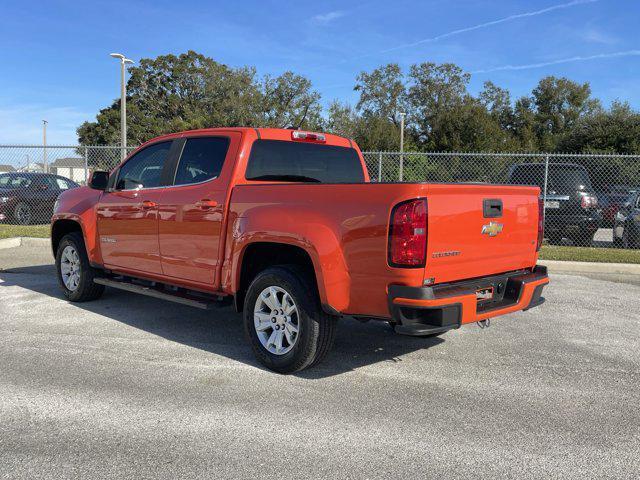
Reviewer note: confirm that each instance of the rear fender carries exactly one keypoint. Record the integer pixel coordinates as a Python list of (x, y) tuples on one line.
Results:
[(315, 235)]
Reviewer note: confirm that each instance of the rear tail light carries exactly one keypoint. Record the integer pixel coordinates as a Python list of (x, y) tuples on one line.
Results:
[(589, 202), (540, 223), (408, 234), (310, 136)]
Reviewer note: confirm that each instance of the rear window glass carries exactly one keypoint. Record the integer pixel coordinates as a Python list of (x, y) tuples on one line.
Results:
[(563, 179), (303, 162)]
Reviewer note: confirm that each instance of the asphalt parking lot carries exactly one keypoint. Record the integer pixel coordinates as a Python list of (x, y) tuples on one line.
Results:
[(133, 387)]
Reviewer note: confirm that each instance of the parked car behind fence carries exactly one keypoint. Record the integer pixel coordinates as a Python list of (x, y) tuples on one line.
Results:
[(626, 227), (28, 198), (570, 203)]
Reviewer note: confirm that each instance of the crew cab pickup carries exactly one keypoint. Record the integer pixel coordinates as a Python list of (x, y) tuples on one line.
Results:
[(287, 226)]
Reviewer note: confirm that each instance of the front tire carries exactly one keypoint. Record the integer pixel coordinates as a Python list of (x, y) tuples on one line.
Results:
[(75, 274), (283, 320)]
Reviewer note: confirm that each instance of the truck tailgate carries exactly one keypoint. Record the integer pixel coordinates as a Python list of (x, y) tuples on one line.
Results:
[(469, 236)]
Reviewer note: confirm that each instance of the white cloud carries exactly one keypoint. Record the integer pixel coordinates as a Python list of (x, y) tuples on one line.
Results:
[(22, 124), (326, 18), (491, 23), (628, 53), (594, 35)]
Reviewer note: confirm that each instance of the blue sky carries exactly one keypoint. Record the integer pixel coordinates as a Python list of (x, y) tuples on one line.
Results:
[(56, 64)]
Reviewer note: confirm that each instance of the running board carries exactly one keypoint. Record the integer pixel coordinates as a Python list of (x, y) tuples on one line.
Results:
[(181, 297)]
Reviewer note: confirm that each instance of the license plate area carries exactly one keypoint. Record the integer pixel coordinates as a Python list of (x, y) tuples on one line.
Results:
[(552, 204), (484, 294)]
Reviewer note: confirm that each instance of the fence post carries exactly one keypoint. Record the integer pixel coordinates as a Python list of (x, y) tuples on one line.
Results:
[(544, 193), (402, 145), (379, 167), (86, 166)]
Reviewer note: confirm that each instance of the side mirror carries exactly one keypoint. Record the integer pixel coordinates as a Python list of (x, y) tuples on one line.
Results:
[(99, 180)]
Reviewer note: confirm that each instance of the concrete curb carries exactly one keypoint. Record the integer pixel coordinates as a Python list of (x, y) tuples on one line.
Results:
[(15, 242), (556, 266)]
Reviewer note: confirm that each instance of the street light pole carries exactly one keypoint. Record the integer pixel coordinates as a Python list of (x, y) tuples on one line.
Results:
[(45, 167), (123, 101), (402, 115)]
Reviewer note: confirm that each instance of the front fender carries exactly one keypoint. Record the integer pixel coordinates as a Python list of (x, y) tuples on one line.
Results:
[(78, 205)]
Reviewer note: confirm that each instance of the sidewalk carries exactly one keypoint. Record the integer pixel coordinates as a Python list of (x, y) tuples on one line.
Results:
[(554, 266)]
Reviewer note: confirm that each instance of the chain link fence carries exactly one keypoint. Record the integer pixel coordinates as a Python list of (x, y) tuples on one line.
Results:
[(590, 200), (32, 177)]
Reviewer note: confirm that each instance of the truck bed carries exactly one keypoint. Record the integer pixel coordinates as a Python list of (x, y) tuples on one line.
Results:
[(349, 223)]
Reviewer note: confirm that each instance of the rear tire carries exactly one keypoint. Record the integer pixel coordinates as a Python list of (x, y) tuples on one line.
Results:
[(554, 238), (23, 214), (75, 274), (630, 238), (584, 239), (306, 335)]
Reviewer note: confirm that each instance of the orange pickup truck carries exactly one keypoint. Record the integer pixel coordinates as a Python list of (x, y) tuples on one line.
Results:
[(287, 226)]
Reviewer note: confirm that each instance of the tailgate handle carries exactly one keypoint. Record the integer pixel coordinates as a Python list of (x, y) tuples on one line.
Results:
[(492, 207)]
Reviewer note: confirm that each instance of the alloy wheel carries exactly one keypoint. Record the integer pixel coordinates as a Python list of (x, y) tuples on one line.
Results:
[(70, 268), (276, 320)]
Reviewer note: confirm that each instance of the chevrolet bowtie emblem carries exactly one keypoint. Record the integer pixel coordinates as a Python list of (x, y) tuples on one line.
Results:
[(492, 229)]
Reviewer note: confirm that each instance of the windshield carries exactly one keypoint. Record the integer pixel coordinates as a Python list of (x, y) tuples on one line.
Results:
[(303, 162), (563, 179), (14, 181)]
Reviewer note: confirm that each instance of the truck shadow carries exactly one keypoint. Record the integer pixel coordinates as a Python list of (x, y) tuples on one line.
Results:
[(220, 331)]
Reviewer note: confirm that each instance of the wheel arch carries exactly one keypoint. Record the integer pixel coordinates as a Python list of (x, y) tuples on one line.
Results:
[(63, 227), (258, 256)]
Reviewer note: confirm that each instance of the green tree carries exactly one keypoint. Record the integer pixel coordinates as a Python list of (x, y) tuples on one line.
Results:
[(497, 101), (616, 130), (524, 124), (382, 93), (342, 120), (289, 101), (435, 91), (559, 104), (173, 93)]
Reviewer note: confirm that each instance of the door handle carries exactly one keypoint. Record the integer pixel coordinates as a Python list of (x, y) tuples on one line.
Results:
[(206, 204), (147, 204)]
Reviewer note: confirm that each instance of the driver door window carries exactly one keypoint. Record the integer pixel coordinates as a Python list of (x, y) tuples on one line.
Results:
[(144, 170)]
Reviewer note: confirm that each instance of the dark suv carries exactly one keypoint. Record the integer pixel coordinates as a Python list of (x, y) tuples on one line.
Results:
[(571, 204)]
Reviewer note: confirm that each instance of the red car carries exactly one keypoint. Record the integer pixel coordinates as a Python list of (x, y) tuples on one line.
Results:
[(287, 226)]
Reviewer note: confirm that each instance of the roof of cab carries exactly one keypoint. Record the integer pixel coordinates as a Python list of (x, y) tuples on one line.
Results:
[(282, 134)]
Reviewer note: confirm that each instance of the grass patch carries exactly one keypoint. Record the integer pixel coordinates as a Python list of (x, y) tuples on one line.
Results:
[(40, 231), (548, 252), (589, 254)]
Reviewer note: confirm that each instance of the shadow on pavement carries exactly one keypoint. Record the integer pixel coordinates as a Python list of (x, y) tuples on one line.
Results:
[(221, 331)]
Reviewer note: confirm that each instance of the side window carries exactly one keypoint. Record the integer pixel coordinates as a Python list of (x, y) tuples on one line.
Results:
[(201, 160), (144, 169), (638, 201), (62, 184), (48, 182)]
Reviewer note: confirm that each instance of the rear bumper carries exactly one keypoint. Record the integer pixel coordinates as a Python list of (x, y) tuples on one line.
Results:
[(429, 310)]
